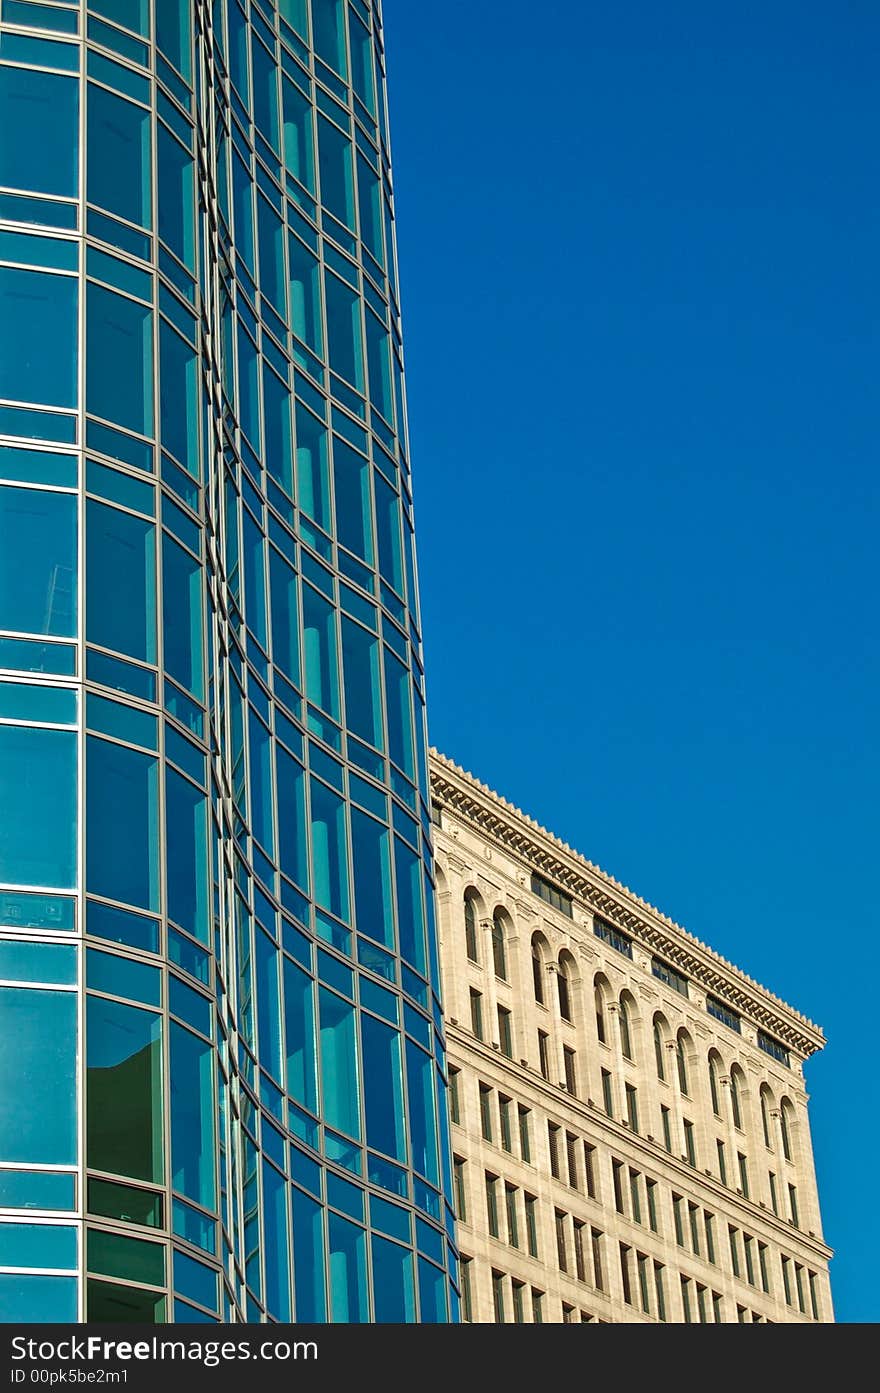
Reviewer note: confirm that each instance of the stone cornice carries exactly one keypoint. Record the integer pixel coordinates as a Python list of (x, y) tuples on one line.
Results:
[(520, 835)]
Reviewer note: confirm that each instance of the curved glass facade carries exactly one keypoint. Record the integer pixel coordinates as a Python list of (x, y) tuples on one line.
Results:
[(222, 1090)]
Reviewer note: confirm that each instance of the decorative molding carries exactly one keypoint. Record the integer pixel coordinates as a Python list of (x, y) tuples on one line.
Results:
[(459, 793)]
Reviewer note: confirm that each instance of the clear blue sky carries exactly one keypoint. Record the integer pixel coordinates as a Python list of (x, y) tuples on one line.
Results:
[(638, 249)]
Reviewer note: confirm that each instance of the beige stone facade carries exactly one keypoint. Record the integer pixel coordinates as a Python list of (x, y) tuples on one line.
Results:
[(630, 1134)]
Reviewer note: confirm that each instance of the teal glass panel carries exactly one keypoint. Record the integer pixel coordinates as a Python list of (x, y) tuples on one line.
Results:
[(118, 149), (131, 14), (174, 29), (187, 855), (38, 779), (265, 106), (285, 616), (335, 169), (276, 1229), (195, 1280), (328, 33), (123, 722), (193, 1150), (292, 835), (307, 1244), (38, 363), (329, 850), (388, 529), (119, 359), (38, 562), (39, 122), (22, 701), (277, 426), (182, 617), (299, 1022), (305, 296), (24, 911), (432, 1294), (394, 1296), (124, 1090), (410, 915), (362, 74), (270, 232), (340, 1076), (25, 1298), (312, 470), (399, 709), (383, 1098), (351, 479), (120, 976), (296, 12), (196, 1228), (344, 331), (105, 1301), (422, 1112), (121, 582), (261, 783), (374, 907), (253, 547), (117, 1255), (248, 386), (37, 1190), (268, 1004), (362, 683), (322, 669), (121, 488), (121, 926), (38, 1245), (243, 205), (179, 399), (38, 466), (379, 367), (349, 1293), (122, 817), (38, 1089), (299, 138), (176, 196)]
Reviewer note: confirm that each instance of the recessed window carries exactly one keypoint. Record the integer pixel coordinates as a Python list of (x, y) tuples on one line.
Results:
[(544, 1053), (499, 953), (570, 1062), (470, 928), (613, 937), (723, 1013), (773, 1048), (476, 1013), (552, 895), (664, 973), (505, 1031)]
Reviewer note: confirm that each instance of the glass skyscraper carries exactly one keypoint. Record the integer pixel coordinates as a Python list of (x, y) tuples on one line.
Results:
[(222, 1088)]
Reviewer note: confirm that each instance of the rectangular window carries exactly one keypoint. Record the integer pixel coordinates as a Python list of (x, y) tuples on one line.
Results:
[(561, 1245), (607, 1093), (492, 1204), (571, 1148), (553, 1142), (504, 1106), (519, 1306), (717, 1308), (598, 1270), (549, 893), (613, 937), (733, 1238), (644, 1282), (799, 1283), (814, 1294), (667, 1128), (690, 1144), (686, 1300), (651, 1191), (722, 1164), (667, 974), (512, 1221), (762, 1263), (525, 1141), (678, 1216), (659, 1290), (467, 1299), (786, 1280), (580, 1264), (632, 1107), (544, 1054), (793, 1205), (567, 1314), (486, 1111), (774, 1197), (537, 1307), (694, 1223), (459, 1182), (498, 1296), (454, 1096), (590, 1169), (476, 1013), (635, 1195), (617, 1177), (625, 1276), (505, 1032), (749, 1250), (570, 1070), (701, 1304), (709, 1220), (773, 1048), (743, 1165), (532, 1224), (723, 1013)]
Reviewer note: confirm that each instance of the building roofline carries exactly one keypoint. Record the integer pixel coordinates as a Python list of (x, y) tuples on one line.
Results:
[(541, 850)]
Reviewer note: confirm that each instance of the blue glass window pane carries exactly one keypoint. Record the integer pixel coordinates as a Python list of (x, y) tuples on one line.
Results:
[(362, 77), (248, 386), (187, 855), (285, 616), (399, 709), (174, 27), (276, 1230), (339, 1064), (38, 562), (175, 196), (383, 1098), (26, 1298), (120, 976), (344, 331), (179, 387), (121, 589), (374, 908), (195, 1280), (328, 31), (362, 683), (305, 296), (312, 471), (39, 121), (393, 1286), (348, 1271), (38, 363), (118, 166), (299, 140), (422, 1112), (299, 1018), (119, 360), (38, 1245), (351, 478), (268, 1004), (182, 617), (388, 528), (38, 779), (334, 164), (255, 578), (279, 445), (379, 365), (265, 93), (122, 816), (37, 1190), (192, 1118), (132, 14), (329, 850), (124, 1093), (410, 915), (38, 1050), (432, 1294), (261, 783), (307, 1242), (242, 194), (322, 671), (292, 837)]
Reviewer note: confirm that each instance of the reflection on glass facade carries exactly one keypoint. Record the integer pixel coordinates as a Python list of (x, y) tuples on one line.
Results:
[(222, 1089)]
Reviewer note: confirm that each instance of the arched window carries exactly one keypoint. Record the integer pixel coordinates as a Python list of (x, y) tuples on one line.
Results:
[(625, 1031), (766, 1104), (499, 952), (659, 1049), (736, 1098), (787, 1128), (562, 988), (538, 971), (470, 928), (681, 1062), (599, 998), (713, 1084)]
